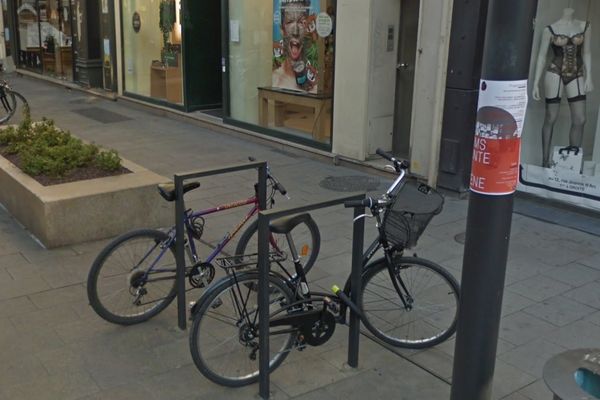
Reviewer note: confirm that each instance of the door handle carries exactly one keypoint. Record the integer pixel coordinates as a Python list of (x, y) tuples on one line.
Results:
[(402, 66)]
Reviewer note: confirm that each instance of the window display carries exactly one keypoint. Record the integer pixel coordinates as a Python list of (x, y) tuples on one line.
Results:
[(152, 49), (561, 141), (29, 35), (45, 42), (281, 61)]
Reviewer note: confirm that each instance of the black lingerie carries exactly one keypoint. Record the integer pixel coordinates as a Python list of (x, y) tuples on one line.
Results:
[(567, 62)]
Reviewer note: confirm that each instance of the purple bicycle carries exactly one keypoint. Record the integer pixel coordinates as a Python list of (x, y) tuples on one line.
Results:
[(133, 278)]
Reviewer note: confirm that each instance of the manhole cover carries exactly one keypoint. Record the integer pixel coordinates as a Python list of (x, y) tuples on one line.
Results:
[(460, 238), (350, 183), (101, 115)]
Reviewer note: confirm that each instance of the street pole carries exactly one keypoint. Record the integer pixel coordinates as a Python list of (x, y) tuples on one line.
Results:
[(494, 176)]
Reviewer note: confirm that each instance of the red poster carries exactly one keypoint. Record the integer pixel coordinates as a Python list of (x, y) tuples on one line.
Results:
[(497, 144)]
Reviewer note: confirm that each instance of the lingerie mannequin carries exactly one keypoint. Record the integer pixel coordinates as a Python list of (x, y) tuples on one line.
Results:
[(568, 75)]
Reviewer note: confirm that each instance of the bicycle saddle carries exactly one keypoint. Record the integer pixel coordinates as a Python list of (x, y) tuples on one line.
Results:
[(167, 190), (286, 224)]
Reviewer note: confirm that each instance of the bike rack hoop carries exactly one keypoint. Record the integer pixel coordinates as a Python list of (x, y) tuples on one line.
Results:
[(264, 219), (179, 179)]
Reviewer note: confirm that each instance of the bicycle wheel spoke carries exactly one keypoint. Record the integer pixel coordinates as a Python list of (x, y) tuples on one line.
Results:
[(224, 341), (427, 314), (132, 280)]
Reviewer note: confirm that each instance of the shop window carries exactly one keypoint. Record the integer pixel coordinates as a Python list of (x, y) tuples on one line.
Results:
[(560, 156), (30, 55), (45, 38), (152, 49), (7, 30), (281, 61)]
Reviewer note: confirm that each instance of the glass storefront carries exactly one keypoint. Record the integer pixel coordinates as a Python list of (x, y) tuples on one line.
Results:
[(45, 37), (281, 62), (7, 32), (153, 64), (560, 156)]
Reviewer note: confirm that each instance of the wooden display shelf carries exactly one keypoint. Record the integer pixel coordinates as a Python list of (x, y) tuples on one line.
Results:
[(279, 98), (166, 83)]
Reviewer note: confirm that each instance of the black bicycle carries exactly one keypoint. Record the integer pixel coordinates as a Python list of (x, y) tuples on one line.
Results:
[(8, 99), (405, 301)]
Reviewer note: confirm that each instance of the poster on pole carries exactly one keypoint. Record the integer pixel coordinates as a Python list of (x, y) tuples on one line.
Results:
[(497, 145)]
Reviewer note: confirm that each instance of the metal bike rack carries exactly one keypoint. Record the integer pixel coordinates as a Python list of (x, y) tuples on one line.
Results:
[(180, 208), (358, 231)]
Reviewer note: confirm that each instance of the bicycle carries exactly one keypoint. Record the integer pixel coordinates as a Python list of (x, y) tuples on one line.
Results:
[(133, 278), (405, 301), (8, 99)]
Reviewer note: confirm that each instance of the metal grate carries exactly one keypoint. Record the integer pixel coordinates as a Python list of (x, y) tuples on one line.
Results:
[(101, 115)]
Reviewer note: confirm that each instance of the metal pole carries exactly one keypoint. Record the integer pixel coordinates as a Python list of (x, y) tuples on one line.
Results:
[(179, 253), (358, 234), (263, 305), (494, 177), (263, 286)]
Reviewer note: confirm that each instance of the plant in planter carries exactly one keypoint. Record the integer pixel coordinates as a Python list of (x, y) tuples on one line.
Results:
[(61, 206), (52, 155), (49, 43)]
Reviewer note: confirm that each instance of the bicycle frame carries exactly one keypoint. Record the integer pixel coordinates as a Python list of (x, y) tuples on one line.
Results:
[(192, 251)]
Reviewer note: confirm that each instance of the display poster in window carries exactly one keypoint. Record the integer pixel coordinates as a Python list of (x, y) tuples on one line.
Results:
[(560, 156), (297, 51)]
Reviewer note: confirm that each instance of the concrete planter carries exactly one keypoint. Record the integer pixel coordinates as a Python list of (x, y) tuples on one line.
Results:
[(87, 210)]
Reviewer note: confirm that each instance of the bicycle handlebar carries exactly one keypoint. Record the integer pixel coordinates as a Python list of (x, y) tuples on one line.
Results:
[(398, 164), (276, 184), (367, 202)]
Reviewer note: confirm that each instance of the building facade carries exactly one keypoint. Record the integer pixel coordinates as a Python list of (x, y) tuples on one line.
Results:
[(342, 77)]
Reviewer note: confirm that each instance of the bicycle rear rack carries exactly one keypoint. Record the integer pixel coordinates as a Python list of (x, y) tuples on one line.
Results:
[(249, 261)]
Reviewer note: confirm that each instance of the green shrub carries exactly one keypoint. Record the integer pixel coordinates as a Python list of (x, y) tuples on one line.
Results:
[(108, 160), (45, 149)]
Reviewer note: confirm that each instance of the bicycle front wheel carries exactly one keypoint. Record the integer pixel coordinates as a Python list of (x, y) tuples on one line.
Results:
[(427, 312), (133, 278), (8, 104), (306, 237), (224, 339)]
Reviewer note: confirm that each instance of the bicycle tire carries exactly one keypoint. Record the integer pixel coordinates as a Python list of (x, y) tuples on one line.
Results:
[(391, 322), (249, 244), (8, 104), (127, 278), (206, 332)]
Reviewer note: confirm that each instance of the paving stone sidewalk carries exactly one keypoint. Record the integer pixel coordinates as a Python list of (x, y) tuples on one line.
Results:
[(53, 346)]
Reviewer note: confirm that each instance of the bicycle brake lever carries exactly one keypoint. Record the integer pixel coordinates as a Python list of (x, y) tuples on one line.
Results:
[(362, 216)]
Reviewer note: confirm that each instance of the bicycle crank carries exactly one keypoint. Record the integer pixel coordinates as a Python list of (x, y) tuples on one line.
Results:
[(201, 275), (315, 327)]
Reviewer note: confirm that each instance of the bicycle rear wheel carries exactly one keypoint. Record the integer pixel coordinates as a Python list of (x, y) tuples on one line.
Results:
[(8, 104), (429, 312), (224, 335), (121, 287)]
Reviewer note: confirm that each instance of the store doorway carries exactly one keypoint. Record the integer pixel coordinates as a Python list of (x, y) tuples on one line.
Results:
[(405, 76), (202, 42)]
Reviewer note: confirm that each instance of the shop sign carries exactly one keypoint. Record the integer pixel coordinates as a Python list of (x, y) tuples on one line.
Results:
[(136, 22), (324, 24)]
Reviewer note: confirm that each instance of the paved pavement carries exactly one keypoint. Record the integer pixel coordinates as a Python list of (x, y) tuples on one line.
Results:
[(52, 345)]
